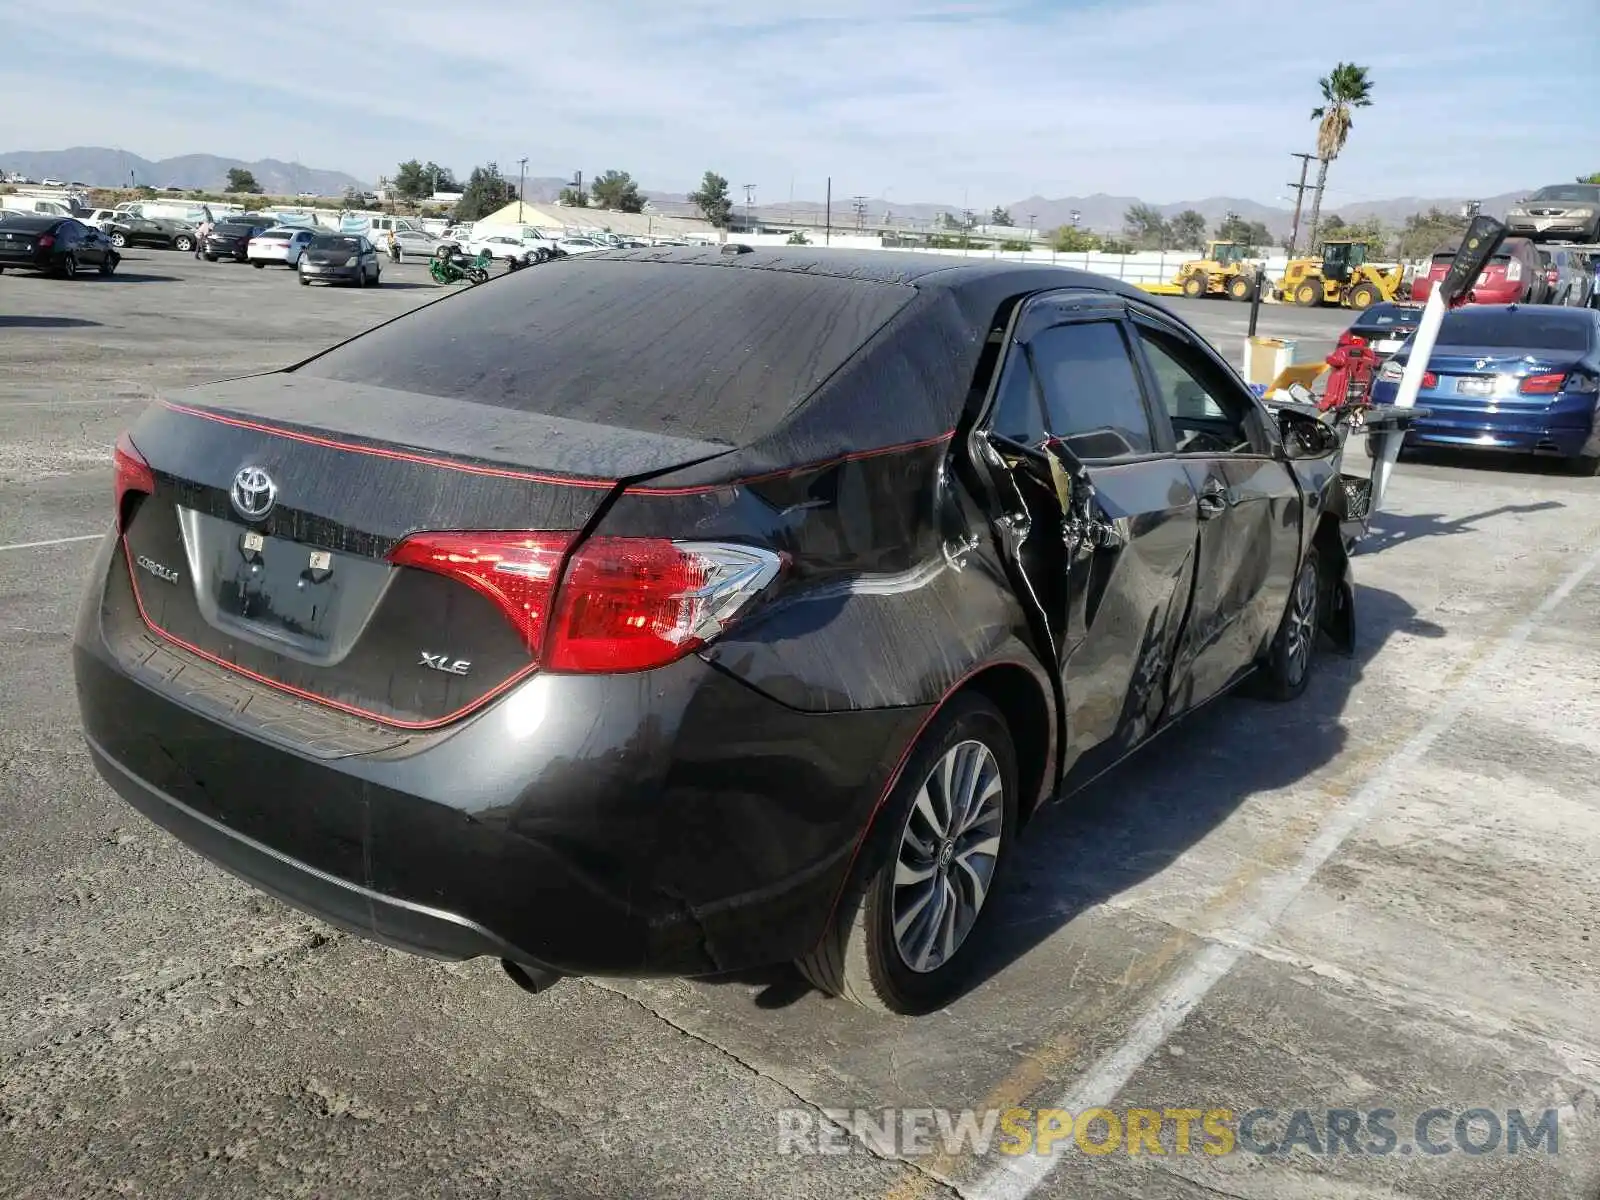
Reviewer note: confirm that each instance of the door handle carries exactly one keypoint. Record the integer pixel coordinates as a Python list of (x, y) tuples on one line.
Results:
[(1213, 502)]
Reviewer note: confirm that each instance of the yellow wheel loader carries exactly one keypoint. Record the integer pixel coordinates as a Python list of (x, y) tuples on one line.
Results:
[(1224, 271), (1341, 275)]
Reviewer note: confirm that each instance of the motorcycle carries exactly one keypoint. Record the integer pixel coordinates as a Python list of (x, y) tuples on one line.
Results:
[(447, 267)]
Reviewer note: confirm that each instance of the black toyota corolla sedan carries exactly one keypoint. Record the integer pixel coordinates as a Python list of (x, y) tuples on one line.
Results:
[(672, 612)]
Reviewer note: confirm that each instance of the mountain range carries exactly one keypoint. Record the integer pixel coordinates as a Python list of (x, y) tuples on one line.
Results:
[(102, 167), (99, 166)]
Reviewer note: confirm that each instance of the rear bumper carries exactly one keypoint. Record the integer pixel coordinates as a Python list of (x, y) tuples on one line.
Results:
[(674, 822), (331, 274)]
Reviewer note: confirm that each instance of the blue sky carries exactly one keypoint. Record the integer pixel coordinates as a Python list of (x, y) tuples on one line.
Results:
[(913, 100)]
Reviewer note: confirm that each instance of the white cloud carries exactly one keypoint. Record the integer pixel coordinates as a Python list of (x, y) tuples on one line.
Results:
[(1167, 99)]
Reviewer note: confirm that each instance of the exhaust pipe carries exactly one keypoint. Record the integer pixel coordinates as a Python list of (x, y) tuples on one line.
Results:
[(531, 979)]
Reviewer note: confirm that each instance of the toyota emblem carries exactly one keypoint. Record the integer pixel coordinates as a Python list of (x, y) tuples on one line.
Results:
[(254, 493)]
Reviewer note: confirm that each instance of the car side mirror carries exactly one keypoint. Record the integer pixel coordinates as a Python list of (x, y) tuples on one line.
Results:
[(1305, 434)]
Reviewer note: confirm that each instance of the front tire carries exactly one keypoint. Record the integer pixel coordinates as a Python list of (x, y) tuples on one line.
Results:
[(1194, 287), (1288, 667), (1308, 295), (118, 240), (1363, 296), (1241, 287), (901, 939)]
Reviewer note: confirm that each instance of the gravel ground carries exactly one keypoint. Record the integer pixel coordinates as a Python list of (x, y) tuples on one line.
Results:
[(1381, 896)]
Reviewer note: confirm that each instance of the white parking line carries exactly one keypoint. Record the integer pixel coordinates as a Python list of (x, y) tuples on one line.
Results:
[(106, 403), (86, 537), (1018, 1177)]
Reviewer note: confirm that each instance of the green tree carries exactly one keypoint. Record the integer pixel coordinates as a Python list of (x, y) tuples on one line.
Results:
[(1333, 227), (1069, 239), (1145, 225), (617, 190), (573, 198), (485, 192), (1344, 89), (241, 180), (1252, 235), (1188, 230), (1595, 178), (1116, 245), (713, 201), (410, 183), (1424, 233), (999, 216), (1369, 233), (798, 238)]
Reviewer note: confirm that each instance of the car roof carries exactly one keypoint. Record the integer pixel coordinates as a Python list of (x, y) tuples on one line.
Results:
[(33, 221)]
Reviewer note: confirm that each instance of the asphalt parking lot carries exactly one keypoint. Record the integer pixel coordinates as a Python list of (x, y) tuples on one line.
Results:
[(1379, 897)]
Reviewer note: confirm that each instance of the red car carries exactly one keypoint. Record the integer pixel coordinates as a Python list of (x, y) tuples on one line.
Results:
[(1510, 278)]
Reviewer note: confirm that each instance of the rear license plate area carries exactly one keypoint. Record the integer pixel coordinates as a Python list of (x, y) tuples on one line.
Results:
[(1474, 387), (305, 598)]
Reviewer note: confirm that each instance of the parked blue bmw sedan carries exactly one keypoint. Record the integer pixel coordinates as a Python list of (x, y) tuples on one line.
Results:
[(1509, 377)]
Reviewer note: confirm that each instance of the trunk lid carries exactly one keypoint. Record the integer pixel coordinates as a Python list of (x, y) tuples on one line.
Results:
[(1488, 377), (265, 546), (18, 243)]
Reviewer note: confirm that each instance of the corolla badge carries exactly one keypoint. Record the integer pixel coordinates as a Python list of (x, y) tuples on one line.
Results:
[(253, 493)]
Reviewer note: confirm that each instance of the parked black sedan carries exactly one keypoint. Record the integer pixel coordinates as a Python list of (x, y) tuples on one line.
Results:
[(671, 612), (231, 239), (149, 231), (1386, 326), (57, 245)]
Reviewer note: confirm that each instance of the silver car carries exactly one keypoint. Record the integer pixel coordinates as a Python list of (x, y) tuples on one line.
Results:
[(1561, 212)]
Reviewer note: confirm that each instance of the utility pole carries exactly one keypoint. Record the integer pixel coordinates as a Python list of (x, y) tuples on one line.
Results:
[(522, 175), (749, 203), (827, 229), (1299, 199), (859, 204)]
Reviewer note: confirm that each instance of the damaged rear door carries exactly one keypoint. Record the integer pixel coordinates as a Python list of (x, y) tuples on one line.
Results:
[(1099, 519)]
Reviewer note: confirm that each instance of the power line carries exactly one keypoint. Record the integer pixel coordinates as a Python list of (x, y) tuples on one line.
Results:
[(859, 203)]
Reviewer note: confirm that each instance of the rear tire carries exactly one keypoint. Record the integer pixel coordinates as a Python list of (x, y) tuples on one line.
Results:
[(304, 281), (69, 267), (1585, 464), (917, 864), (118, 240), (182, 243), (1287, 669), (259, 265)]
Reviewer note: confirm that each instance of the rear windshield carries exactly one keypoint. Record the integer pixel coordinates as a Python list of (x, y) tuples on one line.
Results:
[(1444, 260), (328, 242), (1390, 314), (1524, 329), (714, 352), (233, 227)]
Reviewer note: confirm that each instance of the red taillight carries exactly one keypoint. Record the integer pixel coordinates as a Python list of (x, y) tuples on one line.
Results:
[(133, 475), (518, 571), (1542, 385), (47, 240), (1430, 380), (623, 604), (630, 604)]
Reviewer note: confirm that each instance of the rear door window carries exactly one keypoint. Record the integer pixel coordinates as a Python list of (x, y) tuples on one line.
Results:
[(1092, 399)]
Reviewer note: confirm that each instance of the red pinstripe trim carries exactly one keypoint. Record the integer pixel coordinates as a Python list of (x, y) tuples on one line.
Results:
[(894, 780), (301, 693), (853, 456), (398, 455)]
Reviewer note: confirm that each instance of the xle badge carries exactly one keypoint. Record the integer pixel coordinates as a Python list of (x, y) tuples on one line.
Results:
[(439, 662)]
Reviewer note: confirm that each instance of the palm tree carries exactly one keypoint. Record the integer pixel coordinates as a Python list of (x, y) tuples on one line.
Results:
[(1344, 88)]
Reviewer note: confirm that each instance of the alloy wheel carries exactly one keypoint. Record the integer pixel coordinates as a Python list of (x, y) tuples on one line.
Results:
[(947, 855), (1302, 630)]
